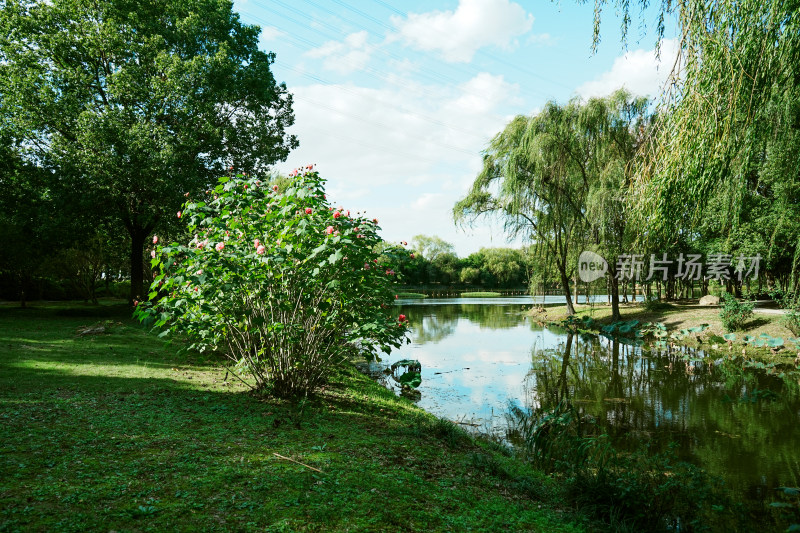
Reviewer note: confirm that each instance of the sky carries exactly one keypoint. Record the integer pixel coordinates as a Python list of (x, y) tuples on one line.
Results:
[(395, 101)]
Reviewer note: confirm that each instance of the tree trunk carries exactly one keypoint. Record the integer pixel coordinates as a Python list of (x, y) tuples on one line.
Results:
[(22, 300), (613, 286), (138, 235), (575, 279), (565, 287)]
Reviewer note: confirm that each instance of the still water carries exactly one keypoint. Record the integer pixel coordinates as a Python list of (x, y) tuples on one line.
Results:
[(479, 356)]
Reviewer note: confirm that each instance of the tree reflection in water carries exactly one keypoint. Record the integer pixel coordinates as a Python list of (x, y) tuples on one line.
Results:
[(741, 424)]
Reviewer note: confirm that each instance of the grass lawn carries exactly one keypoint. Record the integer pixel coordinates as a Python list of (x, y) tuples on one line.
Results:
[(683, 315), (115, 431), (480, 294)]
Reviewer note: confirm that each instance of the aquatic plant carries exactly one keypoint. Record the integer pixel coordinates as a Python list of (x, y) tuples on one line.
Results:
[(411, 378)]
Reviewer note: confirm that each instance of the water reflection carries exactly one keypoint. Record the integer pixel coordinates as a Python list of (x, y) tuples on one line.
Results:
[(739, 424)]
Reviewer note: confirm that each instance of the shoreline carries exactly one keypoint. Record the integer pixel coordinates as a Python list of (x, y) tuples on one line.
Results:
[(686, 314)]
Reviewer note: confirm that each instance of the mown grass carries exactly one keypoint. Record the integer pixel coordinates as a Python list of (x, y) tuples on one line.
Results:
[(116, 431), (682, 315), (408, 295), (480, 294)]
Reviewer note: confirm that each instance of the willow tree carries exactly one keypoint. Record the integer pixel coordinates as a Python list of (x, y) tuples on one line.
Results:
[(535, 179), (133, 104), (560, 179), (620, 123), (731, 112)]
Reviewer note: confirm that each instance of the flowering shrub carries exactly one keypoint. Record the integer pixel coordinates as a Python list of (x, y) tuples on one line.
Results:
[(277, 283)]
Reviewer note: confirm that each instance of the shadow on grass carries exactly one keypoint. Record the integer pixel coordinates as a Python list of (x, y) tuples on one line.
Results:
[(116, 431), (153, 453), (756, 323)]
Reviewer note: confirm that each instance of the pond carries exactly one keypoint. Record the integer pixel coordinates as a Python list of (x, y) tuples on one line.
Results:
[(479, 357)]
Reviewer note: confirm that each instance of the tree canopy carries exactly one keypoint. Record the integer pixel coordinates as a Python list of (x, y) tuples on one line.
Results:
[(540, 172), (130, 105), (730, 114)]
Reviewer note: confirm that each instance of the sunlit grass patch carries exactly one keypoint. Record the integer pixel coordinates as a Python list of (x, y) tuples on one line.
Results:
[(480, 294), (411, 295), (118, 431)]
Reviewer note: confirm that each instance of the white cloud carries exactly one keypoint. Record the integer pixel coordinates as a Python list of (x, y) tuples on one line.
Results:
[(541, 39), (484, 92), (349, 55), (270, 33), (638, 71), (426, 201), (406, 152), (458, 34)]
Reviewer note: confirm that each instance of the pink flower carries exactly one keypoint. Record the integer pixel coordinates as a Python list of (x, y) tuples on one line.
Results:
[(390, 272), (220, 246), (348, 213), (155, 239), (179, 214), (336, 214), (135, 303), (329, 230), (308, 211), (402, 318), (366, 266), (375, 220), (405, 243), (412, 256), (274, 187), (260, 250), (153, 254)]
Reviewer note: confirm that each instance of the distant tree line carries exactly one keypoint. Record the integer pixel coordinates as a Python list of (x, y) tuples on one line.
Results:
[(429, 260)]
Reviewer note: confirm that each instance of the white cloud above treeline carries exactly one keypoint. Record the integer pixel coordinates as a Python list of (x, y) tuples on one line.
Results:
[(457, 35), (350, 55), (639, 71)]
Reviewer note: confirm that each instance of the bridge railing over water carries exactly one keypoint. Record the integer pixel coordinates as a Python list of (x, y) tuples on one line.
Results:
[(456, 291)]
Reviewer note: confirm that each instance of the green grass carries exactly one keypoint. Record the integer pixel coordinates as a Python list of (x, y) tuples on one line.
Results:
[(415, 295), (116, 431), (480, 294)]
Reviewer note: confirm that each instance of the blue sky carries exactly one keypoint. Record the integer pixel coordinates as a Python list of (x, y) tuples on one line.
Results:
[(394, 101)]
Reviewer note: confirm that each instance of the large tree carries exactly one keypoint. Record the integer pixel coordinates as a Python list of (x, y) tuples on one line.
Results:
[(134, 104), (536, 175), (728, 121), (620, 123), (559, 178)]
